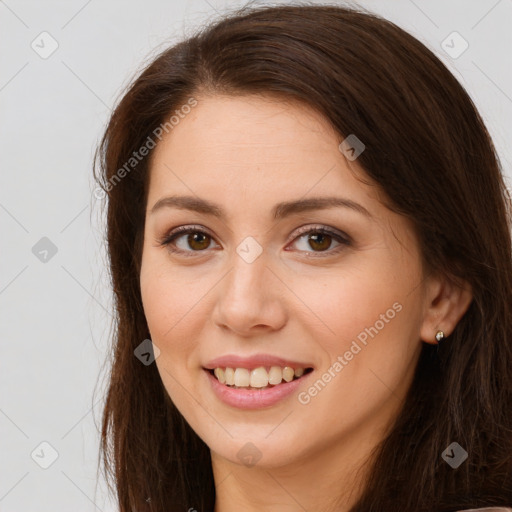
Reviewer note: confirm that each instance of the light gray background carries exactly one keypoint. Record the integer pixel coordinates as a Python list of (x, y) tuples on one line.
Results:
[(55, 314)]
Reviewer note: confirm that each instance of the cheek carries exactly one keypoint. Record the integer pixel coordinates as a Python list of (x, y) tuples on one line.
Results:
[(348, 301), (370, 319), (173, 302), (368, 361), (170, 309), (176, 305), (165, 295), (168, 304)]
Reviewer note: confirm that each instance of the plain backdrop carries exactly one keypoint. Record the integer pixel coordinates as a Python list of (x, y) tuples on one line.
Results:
[(62, 68)]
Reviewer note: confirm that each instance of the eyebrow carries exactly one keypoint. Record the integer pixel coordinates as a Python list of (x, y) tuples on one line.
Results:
[(280, 210)]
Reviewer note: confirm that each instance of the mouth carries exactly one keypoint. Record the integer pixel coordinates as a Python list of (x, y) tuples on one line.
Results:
[(260, 377)]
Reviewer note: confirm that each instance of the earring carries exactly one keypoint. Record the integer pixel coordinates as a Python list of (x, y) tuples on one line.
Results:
[(439, 336)]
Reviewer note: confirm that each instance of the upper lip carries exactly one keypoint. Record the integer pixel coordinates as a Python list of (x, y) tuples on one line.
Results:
[(254, 361)]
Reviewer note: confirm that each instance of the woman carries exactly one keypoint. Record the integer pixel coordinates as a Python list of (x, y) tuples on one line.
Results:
[(309, 240)]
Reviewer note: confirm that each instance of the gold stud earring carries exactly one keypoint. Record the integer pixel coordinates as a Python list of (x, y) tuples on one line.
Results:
[(439, 336)]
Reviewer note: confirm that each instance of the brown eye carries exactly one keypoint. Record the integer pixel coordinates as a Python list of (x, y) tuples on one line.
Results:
[(320, 241), (187, 241), (198, 241)]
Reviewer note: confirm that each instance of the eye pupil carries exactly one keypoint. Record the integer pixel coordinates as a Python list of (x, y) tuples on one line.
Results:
[(193, 239), (323, 239)]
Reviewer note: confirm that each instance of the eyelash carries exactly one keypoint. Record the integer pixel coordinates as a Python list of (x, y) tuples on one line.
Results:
[(344, 240)]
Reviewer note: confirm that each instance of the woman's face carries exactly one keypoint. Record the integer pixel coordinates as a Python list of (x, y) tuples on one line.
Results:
[(271, 276)]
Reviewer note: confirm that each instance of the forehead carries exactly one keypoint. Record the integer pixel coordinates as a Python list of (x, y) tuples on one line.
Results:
[(255, 147)]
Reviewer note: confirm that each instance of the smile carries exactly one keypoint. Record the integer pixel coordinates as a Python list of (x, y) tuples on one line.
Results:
[(257, 378), (242, 395)]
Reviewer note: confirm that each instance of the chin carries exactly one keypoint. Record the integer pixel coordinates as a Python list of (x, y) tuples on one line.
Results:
[(255, 450)]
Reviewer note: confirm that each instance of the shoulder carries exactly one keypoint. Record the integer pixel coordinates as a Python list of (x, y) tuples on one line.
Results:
[(487, 509)]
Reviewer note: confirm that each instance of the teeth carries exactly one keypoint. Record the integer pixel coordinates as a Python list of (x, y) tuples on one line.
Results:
[(258, 377), (288, 373), (275, 375), (219, 373), (229, 375), (242, 377)]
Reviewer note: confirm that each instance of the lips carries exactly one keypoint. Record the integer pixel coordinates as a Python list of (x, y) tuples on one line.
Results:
[(254, 361), (255, 398), (260, 380)]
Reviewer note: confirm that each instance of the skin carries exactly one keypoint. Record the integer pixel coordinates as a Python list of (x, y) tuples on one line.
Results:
[(247, 154)]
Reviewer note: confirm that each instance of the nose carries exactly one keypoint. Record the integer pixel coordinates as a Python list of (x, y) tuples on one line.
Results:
[(250, 298)]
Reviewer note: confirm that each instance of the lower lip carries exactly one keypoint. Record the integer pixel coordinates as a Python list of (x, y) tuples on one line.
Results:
[(254, 398)]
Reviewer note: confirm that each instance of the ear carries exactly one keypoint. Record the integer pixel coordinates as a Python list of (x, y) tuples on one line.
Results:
[(445, 303)]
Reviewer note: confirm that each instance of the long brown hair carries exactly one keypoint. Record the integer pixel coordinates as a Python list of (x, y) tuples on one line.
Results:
[(428, 149)]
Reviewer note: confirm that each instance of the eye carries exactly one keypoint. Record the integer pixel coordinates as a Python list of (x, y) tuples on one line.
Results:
[(190, 240), (320, 239), (194, 239)]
